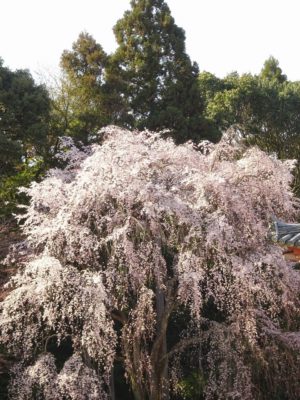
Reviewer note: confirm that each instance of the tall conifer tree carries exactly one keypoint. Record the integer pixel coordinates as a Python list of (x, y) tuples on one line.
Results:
[(155, 76), (83, 84)]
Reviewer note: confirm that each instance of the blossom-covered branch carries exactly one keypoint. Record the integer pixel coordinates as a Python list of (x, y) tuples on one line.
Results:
[(147, 253)]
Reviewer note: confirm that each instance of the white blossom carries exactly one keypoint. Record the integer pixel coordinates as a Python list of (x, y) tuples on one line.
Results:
[(139, 232)]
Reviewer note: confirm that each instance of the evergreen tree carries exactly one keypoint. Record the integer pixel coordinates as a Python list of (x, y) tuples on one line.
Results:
[(24, 136), (83, 103), (272, 71), (24, 118), (265, 108), (154, 75)]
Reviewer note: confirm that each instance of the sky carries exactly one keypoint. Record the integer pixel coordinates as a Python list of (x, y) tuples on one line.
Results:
[(222, 36)]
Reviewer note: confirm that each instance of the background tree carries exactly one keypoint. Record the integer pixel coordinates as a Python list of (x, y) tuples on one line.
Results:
[(265, 109), (137, 237), (272, 71), (84, 101), (24, 122), (153, 73), (24, 108)]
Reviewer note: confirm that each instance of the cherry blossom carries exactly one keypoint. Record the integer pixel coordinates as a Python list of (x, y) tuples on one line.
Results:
[(137, 234)]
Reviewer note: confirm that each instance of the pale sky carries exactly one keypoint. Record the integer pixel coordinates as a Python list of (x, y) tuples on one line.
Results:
[(221, 35)]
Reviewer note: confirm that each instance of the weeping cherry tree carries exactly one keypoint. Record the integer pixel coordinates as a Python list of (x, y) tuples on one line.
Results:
[(158, 258)]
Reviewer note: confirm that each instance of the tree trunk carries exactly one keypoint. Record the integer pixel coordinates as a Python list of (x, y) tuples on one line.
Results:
[(112, 385), (160, 383)]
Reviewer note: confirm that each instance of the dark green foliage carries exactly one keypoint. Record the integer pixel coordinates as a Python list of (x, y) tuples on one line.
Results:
[(10, 196), (24, 140), (192, 387), (84, 103), (10, 154), (149, 82), (153, 73), (272, 71), (24, 118), (265, 109), (233, 100)]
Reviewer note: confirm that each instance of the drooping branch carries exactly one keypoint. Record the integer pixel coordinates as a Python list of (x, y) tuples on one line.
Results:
[(119, 316), (179, 235)]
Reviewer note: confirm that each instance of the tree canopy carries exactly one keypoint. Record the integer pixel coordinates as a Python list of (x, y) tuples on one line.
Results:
[(81, 103), (149, 82), (265, 108), (24, 121), (272, 71), (155, 76), (145, 254), (24, 115)]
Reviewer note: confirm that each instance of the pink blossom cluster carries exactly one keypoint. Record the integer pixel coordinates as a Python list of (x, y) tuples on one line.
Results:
[(142, 233)]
